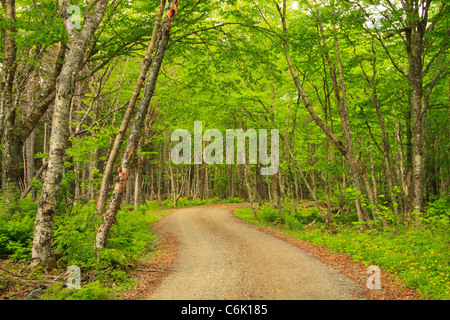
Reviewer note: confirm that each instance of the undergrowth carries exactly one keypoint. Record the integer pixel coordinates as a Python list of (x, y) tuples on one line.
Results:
[(103, 276)]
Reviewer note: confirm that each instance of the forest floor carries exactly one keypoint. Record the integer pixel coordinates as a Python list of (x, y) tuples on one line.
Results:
[(208, 253)]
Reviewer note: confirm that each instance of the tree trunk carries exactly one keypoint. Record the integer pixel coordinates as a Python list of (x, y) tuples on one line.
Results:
[(386, 148), (129, 187), (172, 181), (138, 176), (11, 158), (355, 165), (415, 49), (29, 142), (250, 194), (159, 173), (417, 141), (325, 218), (120, 182), (187, 188), (347, 152), (109, 166), (14, 133), (11, 145), (202, 180), (93, 173), (403, 177)]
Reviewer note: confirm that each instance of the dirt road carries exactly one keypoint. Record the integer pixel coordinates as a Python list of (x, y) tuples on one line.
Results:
[(221, 258)]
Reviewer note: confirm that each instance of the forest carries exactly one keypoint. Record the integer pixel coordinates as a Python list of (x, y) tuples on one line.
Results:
[(92, 93)]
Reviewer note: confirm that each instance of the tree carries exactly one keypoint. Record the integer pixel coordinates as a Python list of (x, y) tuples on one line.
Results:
[(42, 253), (120, 181), (103, 193), (422, 30), (21, 60)]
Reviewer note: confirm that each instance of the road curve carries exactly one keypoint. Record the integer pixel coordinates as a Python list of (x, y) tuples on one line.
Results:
[(223, 258)]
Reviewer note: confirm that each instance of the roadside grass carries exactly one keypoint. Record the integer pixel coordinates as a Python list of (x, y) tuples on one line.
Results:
[(419, 256), (103, 276)]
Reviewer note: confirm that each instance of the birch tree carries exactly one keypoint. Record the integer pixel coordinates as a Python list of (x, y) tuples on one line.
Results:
[(422, 29), (108, 170), (120, 180), (21, 61), (42, 253)]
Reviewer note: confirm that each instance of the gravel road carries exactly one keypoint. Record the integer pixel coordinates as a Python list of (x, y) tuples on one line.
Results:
[(222, 258)]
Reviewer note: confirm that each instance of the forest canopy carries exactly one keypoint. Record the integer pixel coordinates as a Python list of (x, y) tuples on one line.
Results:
[(92, 91)]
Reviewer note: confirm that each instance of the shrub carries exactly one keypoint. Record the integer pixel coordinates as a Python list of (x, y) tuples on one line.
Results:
[(440, 207), (92, 291), (233, 200), (308, 217), (16, 229), (292, 222), (268, 214), (133, 234), (74, 235)]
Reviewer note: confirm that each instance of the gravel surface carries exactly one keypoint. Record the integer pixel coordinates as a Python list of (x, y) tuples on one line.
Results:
[(220, 258)]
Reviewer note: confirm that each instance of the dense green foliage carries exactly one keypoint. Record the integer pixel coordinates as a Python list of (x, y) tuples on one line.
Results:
[(233, 64), (106, 274), (74, 234), (16, 229)]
